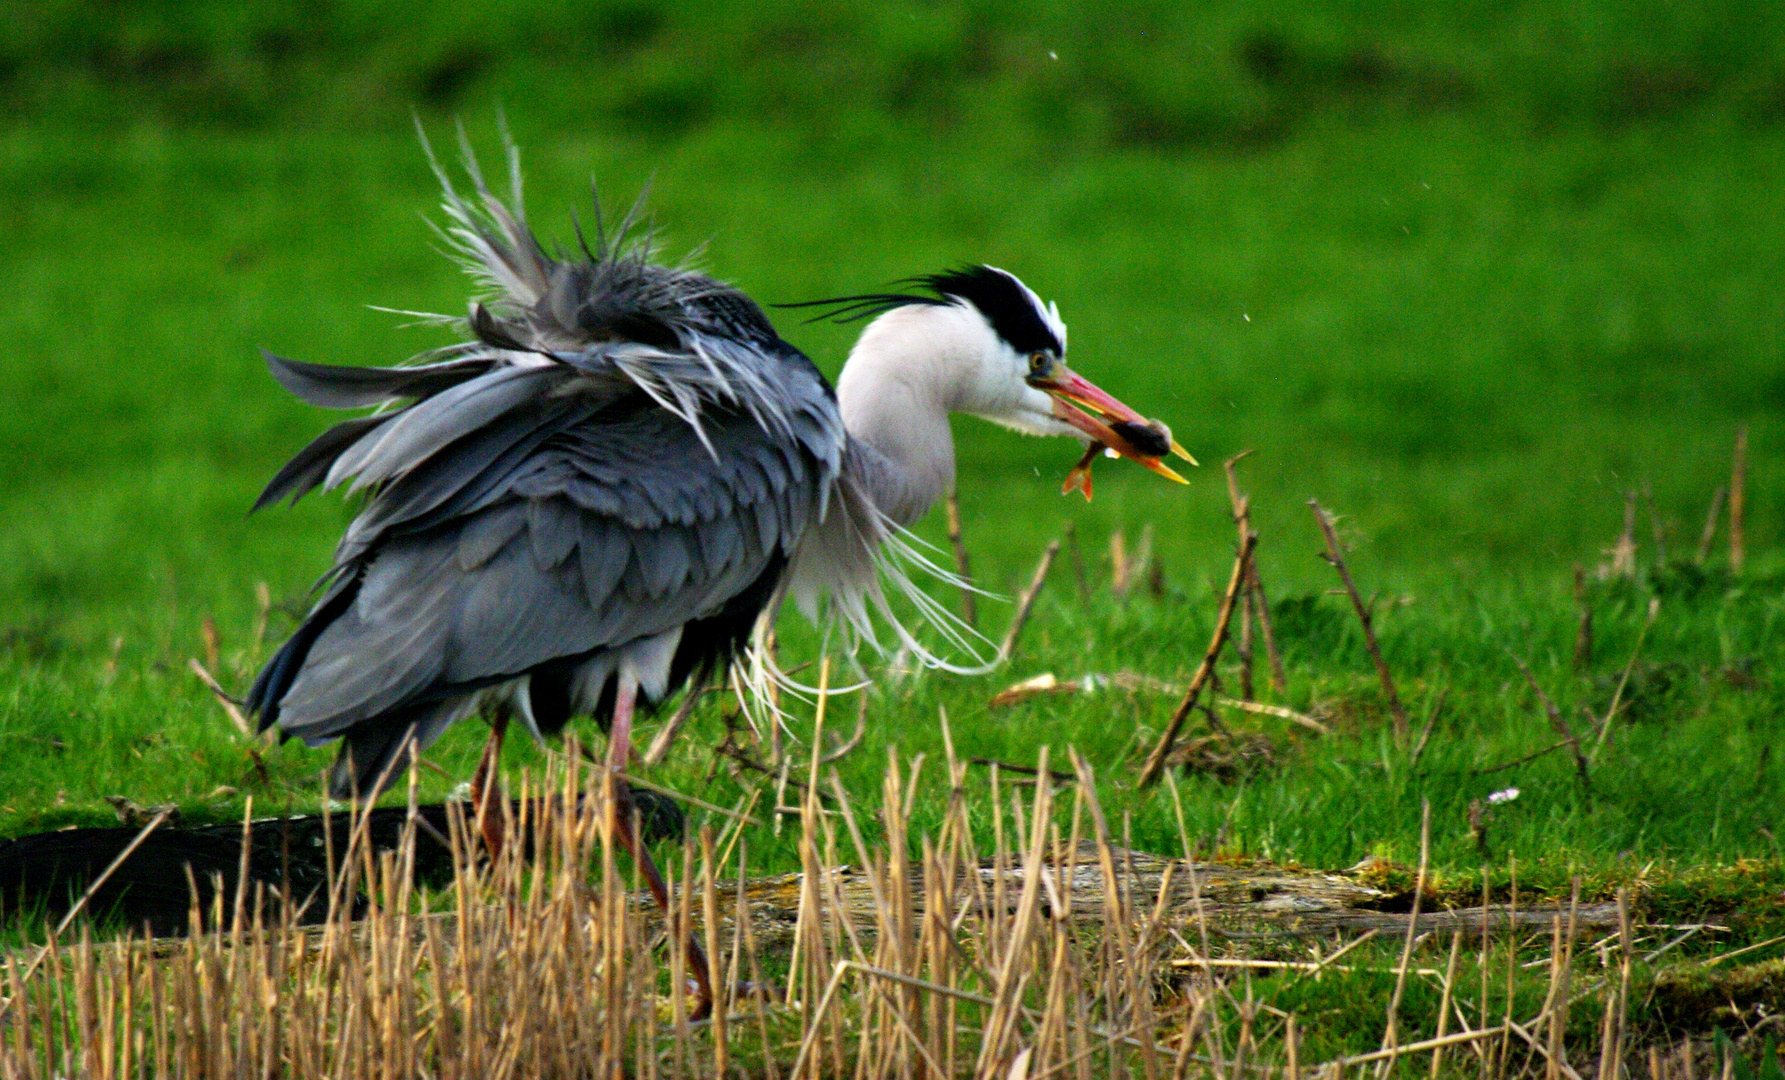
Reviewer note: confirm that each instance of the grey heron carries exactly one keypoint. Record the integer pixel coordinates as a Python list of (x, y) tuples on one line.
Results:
[(594, 496)]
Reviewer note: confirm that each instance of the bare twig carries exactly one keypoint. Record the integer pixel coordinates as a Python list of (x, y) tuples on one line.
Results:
[(1335, 556), (1156, 760), (831, 757), (1027, 600), (232, 708), (963, 568), (659, 748), (1243, 647), (1259, 606), (1558, 724), (1583, 633), (680, 796), (1656, 525), (1005, 766), (1617, 697), (1738, 500), (1709, 534), (1425, 733), (1533, 756), (1078, 565), (1242, 519)]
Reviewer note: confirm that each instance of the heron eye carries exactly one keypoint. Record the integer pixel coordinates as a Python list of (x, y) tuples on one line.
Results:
[(1038, 363)]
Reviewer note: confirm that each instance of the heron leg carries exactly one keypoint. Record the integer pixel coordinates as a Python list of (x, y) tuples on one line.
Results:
[(619, 750), (484, 788)]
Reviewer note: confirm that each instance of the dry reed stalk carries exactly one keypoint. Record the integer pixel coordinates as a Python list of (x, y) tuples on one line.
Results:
[(1026, 601), (1709, 533), (1336, 557), (1156, 760), (1450, 979), (1623, 553), (963, 568), (1391, 1032), (1583, 632), (1259, 708), (1617, 697), (543, 969), (1118, 564), (1141, 567), (1738, 500)]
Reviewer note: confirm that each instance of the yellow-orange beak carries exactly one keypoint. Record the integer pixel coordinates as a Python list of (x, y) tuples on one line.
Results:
[(1081, 403)]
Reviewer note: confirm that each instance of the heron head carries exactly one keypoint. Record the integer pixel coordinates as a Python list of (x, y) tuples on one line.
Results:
[(1023, 382)]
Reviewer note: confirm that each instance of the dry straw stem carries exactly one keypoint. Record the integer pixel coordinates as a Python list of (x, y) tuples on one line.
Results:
[(1026, 600), (1050, 952), (1623, 553), (1257, 603), (1391, 1033), (79, 906), (1336, 557), (1617, 697), (1709, 535), (962, 566), (1156, 760), (1261, 709), (234, 712), (1738, 500)]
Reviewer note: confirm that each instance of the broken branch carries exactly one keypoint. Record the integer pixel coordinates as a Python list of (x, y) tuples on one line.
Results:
[(1156, 760), (1027, 600), (1337, 558), (1556, 722)]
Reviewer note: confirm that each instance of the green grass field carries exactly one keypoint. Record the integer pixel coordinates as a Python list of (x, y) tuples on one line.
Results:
[(1467, 281)]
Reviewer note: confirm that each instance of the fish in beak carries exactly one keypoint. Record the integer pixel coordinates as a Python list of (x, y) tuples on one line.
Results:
[(1112, 427)]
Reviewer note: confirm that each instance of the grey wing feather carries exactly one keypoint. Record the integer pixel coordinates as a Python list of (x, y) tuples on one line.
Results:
[(303, 473), (331, 386), (433, 423)]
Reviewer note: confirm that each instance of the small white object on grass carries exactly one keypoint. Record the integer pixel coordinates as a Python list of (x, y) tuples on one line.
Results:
[(1504, 796)]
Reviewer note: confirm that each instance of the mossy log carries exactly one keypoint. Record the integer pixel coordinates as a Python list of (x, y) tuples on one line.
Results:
[(1237, 901)]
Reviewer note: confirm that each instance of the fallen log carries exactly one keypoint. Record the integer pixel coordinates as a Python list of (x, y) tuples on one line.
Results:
[(1237, 901)]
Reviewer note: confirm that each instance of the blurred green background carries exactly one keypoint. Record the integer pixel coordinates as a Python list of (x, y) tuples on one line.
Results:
[(1467, 271)]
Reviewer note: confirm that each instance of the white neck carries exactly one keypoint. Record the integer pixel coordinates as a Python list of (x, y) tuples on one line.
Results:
[(911, 368)]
